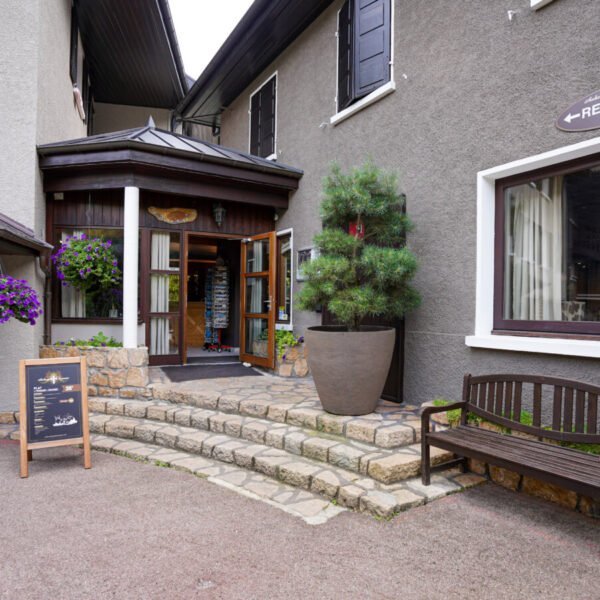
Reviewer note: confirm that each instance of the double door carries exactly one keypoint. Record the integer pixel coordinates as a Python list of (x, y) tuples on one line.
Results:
[(164, 294)]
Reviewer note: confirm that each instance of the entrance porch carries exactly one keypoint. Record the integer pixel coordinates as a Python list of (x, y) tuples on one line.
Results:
[(192, 226)]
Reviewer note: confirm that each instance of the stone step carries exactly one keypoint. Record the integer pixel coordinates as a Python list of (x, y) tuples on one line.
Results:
[(343, 459), (384, 465), (390, 426), (270, 476)]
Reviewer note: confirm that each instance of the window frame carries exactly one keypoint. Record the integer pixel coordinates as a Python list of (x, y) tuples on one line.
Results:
[(289, 324), (501, 324), (74, 46), (275, 75), (483, 335), (378, 93)]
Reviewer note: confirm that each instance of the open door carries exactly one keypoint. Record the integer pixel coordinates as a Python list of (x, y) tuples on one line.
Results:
[(259, 264)]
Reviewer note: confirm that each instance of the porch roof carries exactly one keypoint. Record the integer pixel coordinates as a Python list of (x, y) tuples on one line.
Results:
[(159, 160), (18, 239)]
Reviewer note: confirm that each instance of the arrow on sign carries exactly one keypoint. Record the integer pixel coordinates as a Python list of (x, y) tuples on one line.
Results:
[(570, 117)]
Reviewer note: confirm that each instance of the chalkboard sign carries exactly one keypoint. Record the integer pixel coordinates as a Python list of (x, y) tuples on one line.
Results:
[(53, 406)]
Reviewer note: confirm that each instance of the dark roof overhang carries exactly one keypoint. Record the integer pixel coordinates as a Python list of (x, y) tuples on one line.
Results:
[(18, 239), (166, 162), (132, 52), (267, 28)]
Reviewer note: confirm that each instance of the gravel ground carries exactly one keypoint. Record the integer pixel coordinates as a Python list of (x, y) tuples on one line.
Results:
[(129, 530)]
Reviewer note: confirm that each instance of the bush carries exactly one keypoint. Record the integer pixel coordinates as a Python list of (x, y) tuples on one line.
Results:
[(363, 268), (97, 341)]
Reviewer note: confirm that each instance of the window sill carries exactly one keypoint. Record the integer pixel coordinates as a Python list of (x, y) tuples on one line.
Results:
[(535, 4), (382, 92), (560, 346)]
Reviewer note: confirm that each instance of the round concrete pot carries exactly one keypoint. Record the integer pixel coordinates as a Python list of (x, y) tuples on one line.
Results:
[(349, 367)]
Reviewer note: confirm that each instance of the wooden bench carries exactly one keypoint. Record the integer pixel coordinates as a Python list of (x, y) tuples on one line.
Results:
[(562, 411)]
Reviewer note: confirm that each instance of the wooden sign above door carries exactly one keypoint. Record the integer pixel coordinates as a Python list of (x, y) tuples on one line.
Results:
[(174, 216)]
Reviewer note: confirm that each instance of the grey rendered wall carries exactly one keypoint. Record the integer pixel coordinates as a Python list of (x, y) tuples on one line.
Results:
[(36, 106), (116, 117), (474, 90)]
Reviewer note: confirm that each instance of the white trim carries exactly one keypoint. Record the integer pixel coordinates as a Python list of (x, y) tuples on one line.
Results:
[(288, 326), (130, 266), (272, 156), (374, 96), (484, 305), (536, 4)]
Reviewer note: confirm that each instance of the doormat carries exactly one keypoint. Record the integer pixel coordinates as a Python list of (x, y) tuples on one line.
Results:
[(190, 373), (217, 358)]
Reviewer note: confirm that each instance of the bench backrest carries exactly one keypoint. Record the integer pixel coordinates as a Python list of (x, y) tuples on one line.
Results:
[(561, 409)]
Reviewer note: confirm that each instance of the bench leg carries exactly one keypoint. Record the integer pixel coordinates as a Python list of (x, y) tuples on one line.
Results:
[(425, 462), (464, 465)]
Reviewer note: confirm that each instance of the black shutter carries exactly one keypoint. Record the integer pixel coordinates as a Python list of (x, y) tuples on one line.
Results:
[(255, 124), (372, 30), (262, 120), (73, 56), (345, 56), (267, 118)]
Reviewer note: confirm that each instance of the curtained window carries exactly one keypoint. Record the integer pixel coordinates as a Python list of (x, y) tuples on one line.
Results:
[(550, 229)]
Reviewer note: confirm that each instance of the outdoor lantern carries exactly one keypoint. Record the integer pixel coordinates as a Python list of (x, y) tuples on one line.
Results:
[(218, 213)]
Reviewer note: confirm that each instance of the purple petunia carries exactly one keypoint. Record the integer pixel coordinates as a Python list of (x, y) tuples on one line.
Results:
[(18, 300)]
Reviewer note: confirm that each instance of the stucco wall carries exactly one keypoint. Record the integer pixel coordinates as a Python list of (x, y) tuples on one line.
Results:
[(116, 117), (474, 90), (36, 106)]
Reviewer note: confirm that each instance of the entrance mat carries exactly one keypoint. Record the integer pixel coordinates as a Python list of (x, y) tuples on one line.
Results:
[(190, 373)]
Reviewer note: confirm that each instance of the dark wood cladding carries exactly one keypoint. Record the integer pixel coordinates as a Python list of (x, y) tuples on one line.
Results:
[(240, 219), (104, 208)]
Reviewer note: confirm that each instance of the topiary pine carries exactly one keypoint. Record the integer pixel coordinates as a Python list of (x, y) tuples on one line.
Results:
[(355, 277)]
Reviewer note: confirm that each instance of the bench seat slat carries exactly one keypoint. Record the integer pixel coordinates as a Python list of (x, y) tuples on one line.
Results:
[(563, 462), (585, 464)]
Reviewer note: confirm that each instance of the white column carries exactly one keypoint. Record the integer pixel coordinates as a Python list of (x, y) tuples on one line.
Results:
[(130, 267)]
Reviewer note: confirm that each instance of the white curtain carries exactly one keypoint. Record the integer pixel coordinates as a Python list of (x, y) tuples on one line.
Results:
[(159, 294), (72, 300), (534, 229)]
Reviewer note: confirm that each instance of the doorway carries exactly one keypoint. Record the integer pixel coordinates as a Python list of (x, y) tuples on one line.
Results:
[(211, 300)]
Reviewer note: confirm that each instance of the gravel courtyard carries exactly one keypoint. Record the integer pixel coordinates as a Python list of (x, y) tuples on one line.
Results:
[(129, 530)]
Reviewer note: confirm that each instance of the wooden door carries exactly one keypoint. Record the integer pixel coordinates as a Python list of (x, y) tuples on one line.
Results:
[(258, 279)]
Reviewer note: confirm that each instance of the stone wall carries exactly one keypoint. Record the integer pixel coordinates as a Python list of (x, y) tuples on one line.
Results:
[(292, 363), (112, 372)]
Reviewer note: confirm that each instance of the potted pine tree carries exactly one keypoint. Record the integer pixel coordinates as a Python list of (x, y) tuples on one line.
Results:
[(363, 269)]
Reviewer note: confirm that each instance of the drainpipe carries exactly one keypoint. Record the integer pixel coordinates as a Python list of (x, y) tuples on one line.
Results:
[(44, 262)]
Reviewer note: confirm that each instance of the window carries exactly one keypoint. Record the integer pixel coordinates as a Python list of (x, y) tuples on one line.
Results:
[(92, 304), (547, 273), (284, 278), (364, 49), (73, 62), (263, 107)]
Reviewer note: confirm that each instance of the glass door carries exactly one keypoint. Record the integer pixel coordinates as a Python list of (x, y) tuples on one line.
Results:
[(258, 300), (164, 331)]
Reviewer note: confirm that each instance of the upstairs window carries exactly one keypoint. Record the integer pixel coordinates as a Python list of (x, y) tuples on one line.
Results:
[(263, 104), (364, 49)]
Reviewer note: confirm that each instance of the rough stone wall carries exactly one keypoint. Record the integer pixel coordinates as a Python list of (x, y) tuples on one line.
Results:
[(112, 372), (474, 90), (293, 362)]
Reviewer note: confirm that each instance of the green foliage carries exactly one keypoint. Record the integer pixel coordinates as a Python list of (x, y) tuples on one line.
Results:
[(356, 277), (97, 341), (454, 414), (283, 340)]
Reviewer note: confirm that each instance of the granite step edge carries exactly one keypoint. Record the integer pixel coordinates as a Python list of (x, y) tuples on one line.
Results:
[(386, 436), (379, 502), (350, 463)]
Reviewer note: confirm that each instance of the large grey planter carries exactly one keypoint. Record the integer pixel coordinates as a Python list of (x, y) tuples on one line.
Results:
[(349, 367)]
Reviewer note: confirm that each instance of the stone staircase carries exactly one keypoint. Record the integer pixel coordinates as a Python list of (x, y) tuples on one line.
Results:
[(369, 463)]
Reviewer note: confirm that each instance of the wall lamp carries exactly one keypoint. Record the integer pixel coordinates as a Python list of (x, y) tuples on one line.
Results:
[(219, 213)]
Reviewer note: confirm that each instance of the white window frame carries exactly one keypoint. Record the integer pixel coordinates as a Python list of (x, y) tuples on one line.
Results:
[(484, 306), (381, 92), (272, 156), (288, 326), (536, 4)]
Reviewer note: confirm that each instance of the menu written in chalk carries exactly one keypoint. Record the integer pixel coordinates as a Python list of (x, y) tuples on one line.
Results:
[(53, 402)]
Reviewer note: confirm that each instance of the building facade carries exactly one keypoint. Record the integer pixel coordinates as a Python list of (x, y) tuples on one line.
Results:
[(58, 68), (457, 98)]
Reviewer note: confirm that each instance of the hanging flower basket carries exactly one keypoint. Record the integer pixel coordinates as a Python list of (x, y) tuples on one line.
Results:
[(87, 263), (18, 300)]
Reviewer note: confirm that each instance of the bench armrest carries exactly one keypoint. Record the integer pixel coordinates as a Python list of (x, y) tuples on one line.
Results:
[(430, 410)]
